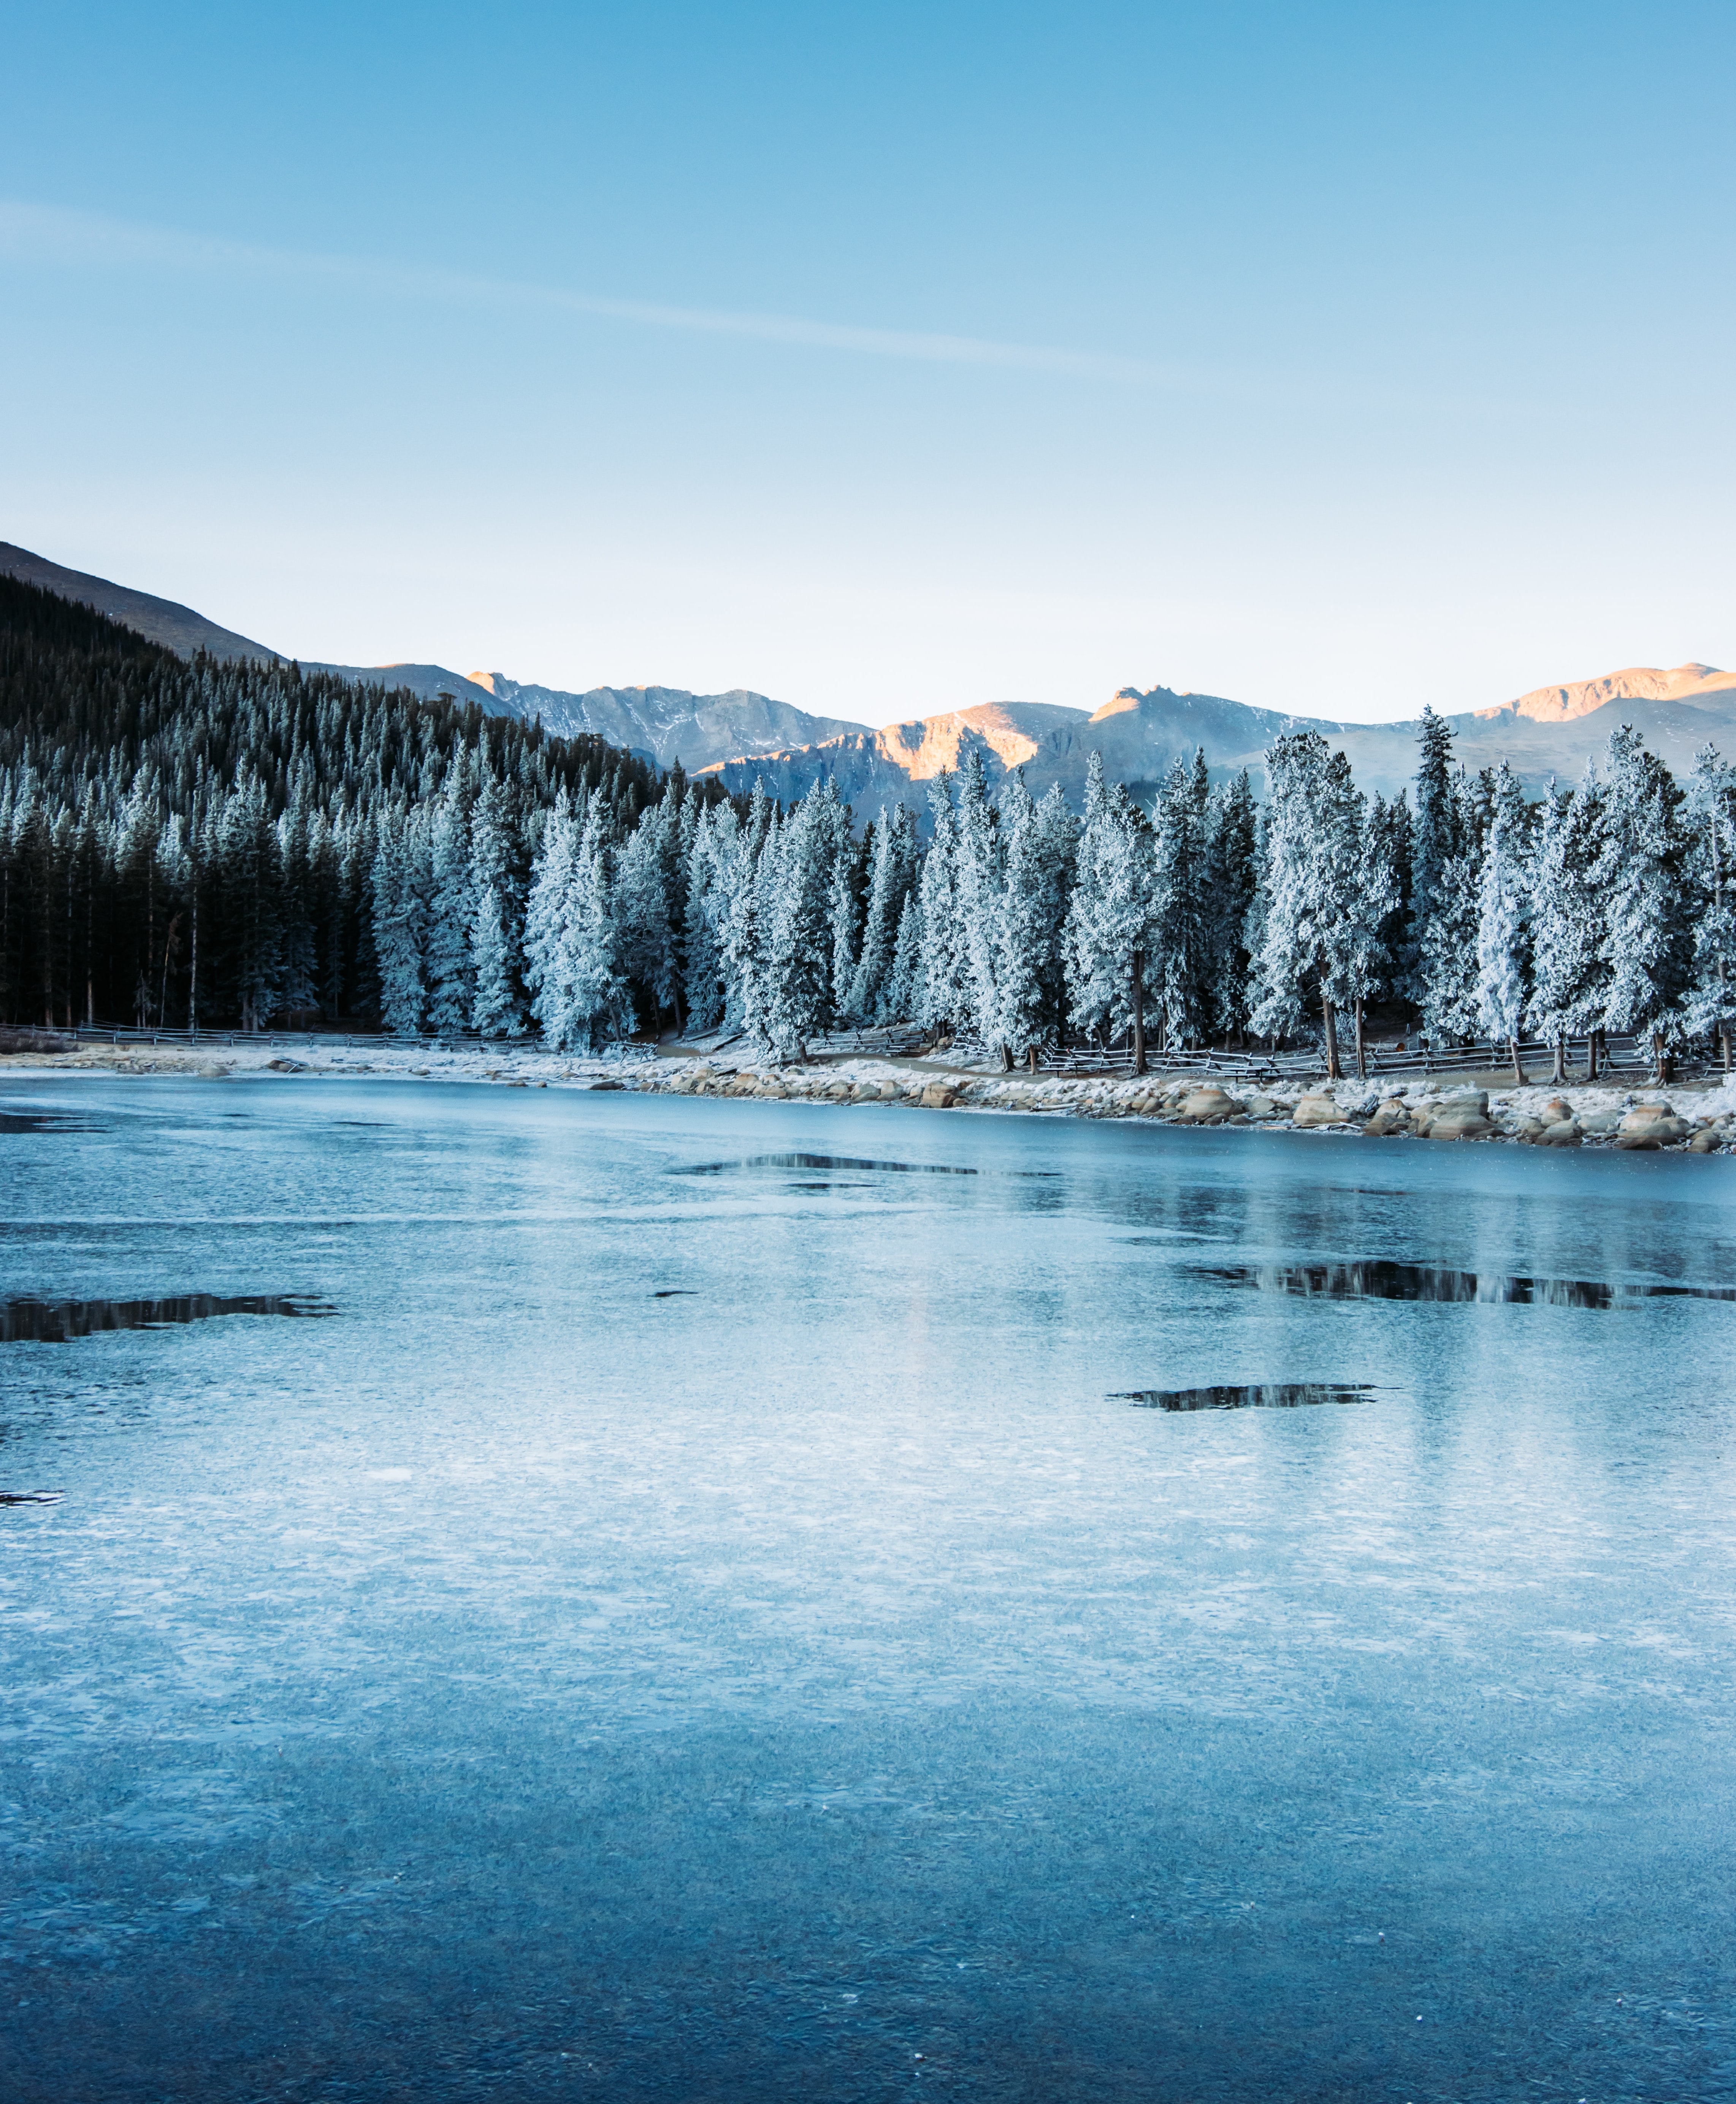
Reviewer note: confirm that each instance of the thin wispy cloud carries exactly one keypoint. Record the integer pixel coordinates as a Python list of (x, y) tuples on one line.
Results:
[(48, 233)]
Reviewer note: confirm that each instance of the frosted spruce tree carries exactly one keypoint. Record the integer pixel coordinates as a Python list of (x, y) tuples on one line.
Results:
[(797, 904), (1109, 921), (1180, 964), (548, 963), (1568, 974), (1231, 878), (450, 972), (892, 873), (943, 1005), (1641, 881), (648, 904), (496, 913), (1711, 816), (1030, 956), (976, 897), (1323, 903), (711, 857), (1504, 897)]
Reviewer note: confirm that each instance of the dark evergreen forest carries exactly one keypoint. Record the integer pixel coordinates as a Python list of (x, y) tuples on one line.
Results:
[(192, 842)]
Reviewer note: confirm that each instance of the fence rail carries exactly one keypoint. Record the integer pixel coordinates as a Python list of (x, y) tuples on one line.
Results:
[(1628, 1057)]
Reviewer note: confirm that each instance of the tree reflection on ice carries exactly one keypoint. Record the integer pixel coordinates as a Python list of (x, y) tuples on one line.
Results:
[(1382, 1278)]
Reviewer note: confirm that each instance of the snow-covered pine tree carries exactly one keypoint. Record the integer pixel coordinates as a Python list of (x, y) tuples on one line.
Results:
[(1361, 960), (1022, 933), (648, 886), (1390, 836), (1504, 897), (399, 913), (744, 924), (496, 912), (299, 991), (944, 1004), (710, 855), (799, 944), (1447, 965), (1109, 921), (547, 957), (246, 848), (1711, 820), (1568, 975), (602, 1000), (894, 869), (902, 992), (1642, 882), (1180, 969), (1231, 877), (976, 896), (1435, 841), (1321, 903), (450, 973)]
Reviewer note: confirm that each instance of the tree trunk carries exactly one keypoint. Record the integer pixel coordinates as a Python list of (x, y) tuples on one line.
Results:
[(1006, 1058), (1724, 1037), (1362, 1063), (1333, 1073), (1139, 1011), (1560, 1074), (1032, 1055), (1590, 1055), (1519, 1072)]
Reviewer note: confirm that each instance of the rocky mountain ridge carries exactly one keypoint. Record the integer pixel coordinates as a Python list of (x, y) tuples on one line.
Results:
[(745, 736)]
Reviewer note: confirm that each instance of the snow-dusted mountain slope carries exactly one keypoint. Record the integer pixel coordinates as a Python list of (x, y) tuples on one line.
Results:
[(744, 735), (668, 723), (1141, 734), (164, 621)]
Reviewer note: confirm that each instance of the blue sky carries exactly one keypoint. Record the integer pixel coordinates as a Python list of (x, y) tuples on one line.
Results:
[(889, 360)]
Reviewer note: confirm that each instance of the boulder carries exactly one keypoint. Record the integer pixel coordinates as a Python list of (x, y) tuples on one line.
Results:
[(939, 1096), (1201, 1105), (1637, 1143), (1557, 1111), (1461, 1119), (1391, 1117), (1262, 1107), (1706, 1141), (1655, 1121), (1526, 1130), (1318, 1108), (1595, 1124), (1564, 1133)]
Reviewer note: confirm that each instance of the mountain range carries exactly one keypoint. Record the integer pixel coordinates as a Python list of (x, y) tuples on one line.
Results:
[(744, 736)]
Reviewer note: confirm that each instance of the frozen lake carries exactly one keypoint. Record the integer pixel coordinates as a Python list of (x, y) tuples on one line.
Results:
[(563, 1594)]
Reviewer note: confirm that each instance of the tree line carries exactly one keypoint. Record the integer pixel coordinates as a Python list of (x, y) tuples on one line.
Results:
[(1465, 910), (184, 843), (229, 843)]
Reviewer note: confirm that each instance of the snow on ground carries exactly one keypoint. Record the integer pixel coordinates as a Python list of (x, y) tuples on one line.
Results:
[(730, 1070)]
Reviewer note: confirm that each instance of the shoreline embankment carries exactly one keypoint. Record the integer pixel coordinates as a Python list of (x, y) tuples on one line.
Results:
[(1697, 1116)]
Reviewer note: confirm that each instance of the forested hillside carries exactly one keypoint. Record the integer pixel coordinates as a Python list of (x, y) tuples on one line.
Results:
[(198, 842), (209, 842)]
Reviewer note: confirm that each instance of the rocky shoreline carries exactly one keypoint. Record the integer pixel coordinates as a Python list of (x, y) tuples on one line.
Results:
[(1697, 1117)]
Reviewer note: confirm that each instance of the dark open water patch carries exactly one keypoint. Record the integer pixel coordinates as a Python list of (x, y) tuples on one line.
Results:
[(43, 1122), (31, 1497), (1262, 1395), (824, 1161), (60, 1322), (1382, 1278), (676, 1293)]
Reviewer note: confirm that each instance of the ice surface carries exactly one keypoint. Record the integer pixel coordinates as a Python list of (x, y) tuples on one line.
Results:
[(732, 1637)]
